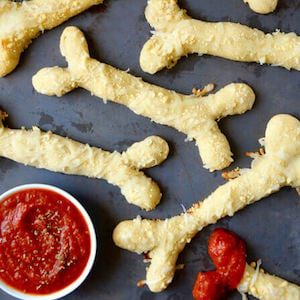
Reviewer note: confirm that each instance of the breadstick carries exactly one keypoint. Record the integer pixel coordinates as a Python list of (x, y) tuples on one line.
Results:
[(192, 115), (20, 22), (165, 239), (59, 154), (267, 287), (177, 35), (262, 6)]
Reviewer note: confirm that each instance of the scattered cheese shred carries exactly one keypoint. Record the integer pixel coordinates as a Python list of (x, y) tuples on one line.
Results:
[(258, 264), (243, 294)]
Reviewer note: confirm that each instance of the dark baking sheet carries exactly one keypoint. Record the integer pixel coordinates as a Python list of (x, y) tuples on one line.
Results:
[(116, 32)]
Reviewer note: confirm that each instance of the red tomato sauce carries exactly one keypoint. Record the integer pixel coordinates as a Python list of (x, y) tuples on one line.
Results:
[(228, 252), (45, 243)]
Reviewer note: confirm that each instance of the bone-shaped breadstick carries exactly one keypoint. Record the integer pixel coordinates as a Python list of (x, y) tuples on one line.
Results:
[(22, 22), (267, 287), (165, 239), (262, 6), (191, 115), (177, 35), (59, 154)]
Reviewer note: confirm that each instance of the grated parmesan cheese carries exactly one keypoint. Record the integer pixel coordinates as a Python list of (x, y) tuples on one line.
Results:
[(243, 294), (258, 264), (188, 139), (262, 141), (185, 212)]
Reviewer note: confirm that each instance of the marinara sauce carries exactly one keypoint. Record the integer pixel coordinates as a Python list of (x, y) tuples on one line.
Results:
[(228, 252), (45, 243)]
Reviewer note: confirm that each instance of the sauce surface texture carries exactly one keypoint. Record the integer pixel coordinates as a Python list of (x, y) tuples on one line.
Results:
[(228, 252), (44, 241)]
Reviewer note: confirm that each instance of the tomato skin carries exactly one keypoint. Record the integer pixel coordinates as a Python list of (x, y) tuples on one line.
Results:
[(228, 252), (209, 286)]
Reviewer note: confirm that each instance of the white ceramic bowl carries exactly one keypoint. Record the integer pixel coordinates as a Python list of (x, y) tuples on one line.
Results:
[(70, 288)]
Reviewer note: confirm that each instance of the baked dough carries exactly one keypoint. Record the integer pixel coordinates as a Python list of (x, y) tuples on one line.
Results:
[(192, 115), (165, 239), (59, 154), (262, 6), (176, 35), (20, 22), (267, 287)]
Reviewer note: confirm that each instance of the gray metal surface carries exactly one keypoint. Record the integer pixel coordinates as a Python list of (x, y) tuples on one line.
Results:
[(116, 32)]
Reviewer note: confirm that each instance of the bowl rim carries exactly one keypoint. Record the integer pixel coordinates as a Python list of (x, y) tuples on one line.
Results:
[(75, 284)]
